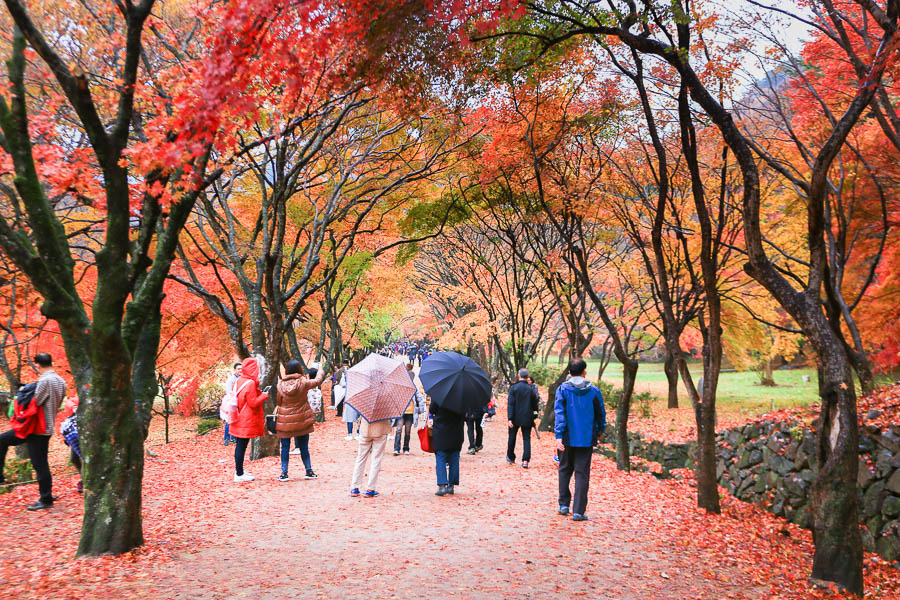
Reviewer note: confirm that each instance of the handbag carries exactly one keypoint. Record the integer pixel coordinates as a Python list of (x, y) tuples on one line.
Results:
[(426, 435), (272, 421)]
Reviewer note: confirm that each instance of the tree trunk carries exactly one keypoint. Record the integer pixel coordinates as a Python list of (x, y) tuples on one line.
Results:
[(767, 377), (623, 452), (113, 446), (144, 379), (548, 418), (707, 484), (671, 368), (833, 497)]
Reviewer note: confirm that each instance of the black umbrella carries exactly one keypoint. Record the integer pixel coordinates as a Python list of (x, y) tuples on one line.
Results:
[(455, 382)]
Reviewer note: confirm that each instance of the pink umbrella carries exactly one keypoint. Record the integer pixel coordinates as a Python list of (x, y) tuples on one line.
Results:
[(379, 388)]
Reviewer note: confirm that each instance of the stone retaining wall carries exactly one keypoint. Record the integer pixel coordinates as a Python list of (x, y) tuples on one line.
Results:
[(770, 464)]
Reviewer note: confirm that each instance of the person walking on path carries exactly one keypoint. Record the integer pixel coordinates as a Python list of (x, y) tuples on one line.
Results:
[(48, 396), (447, 441), (474, 429), (229, 388), (339, 387), (296, 418), (250, 420), (580, 421), (405, 422), (350, 416), (521, 410), (372, 442)]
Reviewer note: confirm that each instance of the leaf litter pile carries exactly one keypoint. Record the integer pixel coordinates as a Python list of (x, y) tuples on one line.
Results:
[(499, 536)]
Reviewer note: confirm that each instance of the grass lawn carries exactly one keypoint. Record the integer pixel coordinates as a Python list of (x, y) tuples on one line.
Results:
[(737, 391)]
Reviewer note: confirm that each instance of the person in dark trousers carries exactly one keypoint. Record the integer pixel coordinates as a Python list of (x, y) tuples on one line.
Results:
[(405, 422), (580, 421), (338, 382), (448, 440), (521, 409), (296, 418), (49, 395), (474, 430)]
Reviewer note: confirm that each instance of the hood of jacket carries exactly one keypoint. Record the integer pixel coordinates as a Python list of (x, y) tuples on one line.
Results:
[(291, 384), (579, 383), (250, 369)]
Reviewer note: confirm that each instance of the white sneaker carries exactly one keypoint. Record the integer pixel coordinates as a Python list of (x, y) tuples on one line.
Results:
[(348, 438), (242, 478), (295, 451)]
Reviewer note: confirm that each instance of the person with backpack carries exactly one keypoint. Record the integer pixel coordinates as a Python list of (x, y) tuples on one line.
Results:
[(229, 389), (33, 424), (296, 417), (580, 421), (521, 408), (250, 419)]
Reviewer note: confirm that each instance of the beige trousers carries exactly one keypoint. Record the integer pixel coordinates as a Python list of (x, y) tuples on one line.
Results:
[(367, 446)]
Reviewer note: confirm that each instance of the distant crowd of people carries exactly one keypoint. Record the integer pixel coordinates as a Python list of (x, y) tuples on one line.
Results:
[(579, 411), (580, 419)]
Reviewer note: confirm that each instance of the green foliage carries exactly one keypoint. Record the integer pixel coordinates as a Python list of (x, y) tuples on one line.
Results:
[(543, 374), (204, 426), (16, 471), (613, 395)]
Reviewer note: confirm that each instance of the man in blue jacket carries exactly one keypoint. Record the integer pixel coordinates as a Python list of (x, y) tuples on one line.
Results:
[(580, 421)]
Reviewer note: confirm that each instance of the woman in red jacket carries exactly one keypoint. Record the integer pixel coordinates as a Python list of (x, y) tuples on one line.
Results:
[(250, 421)]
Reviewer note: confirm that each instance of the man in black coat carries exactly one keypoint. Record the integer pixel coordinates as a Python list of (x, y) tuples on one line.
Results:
[(521, 409)]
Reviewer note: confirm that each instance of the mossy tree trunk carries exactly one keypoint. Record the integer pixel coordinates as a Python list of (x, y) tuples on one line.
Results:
[(112, 354)]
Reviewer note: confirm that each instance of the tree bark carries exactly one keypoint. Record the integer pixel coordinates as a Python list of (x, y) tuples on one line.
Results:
[(833, 502), (113, 465), (671, 368)]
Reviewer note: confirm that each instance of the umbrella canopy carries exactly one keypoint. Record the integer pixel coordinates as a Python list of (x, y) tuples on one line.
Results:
[(379, 388), (455, 382)]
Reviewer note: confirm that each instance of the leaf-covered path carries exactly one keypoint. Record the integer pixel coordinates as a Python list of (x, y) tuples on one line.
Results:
[(499, 536)]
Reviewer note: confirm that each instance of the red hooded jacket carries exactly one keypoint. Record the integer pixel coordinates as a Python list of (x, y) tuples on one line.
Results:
[(251, 417)]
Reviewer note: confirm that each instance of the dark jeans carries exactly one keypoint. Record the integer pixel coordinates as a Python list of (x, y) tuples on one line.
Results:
[(476, 433), (38, 446), (526, 443), (302, 442), (340, 408), (579, 461), (228, 436), (405, 423), (445, 461), (240, 449), (350, 428)]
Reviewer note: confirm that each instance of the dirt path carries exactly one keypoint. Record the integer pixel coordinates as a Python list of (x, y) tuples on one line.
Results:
[(497, 537)]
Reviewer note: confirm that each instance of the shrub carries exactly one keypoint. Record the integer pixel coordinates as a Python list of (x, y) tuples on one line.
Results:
[(16, 471), (209, 396), (204, 426), (543, 374), (613, 395)]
